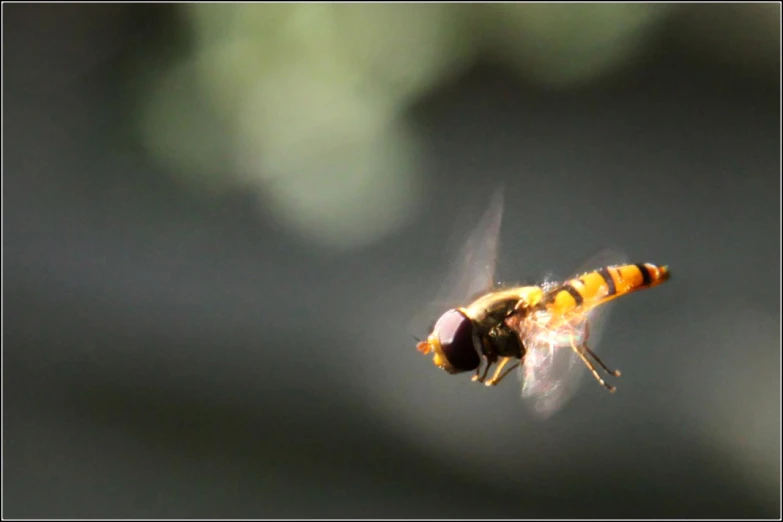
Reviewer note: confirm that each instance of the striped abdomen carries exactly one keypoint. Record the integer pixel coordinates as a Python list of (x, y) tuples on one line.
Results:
[(602, 285)]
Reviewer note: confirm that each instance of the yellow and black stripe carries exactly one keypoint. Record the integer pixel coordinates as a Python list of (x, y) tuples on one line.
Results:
[(607, 283)]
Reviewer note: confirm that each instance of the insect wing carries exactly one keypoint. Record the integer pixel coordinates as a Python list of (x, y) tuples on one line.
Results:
[(551, 371), (473, 269)]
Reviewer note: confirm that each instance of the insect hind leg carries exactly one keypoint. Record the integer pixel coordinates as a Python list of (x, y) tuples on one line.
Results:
[(615, 373), (580, 349)]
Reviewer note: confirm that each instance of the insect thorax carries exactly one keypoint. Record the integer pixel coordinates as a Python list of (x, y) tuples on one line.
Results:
[(501, 341), (489, 313)]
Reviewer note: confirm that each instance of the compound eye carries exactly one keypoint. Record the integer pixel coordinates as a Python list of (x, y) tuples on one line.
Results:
[(455, 333)]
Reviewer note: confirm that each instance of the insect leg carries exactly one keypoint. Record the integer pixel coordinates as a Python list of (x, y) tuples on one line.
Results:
[(499, 377), (616, 373), (578, 350), (484, 375), (499, 369), (495, 378)]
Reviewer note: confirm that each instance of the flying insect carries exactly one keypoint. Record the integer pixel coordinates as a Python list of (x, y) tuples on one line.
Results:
[(546, 331)]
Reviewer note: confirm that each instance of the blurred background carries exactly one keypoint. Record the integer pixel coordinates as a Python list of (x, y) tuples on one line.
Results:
[(221, 219)]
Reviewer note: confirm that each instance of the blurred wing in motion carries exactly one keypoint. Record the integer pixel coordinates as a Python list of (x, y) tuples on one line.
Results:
[(473, 270), (552, 371)]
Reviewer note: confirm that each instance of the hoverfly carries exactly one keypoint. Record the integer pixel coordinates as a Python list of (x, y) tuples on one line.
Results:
[(547, 331)]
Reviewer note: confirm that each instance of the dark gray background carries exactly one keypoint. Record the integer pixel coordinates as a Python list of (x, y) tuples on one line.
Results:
[(171, 355)]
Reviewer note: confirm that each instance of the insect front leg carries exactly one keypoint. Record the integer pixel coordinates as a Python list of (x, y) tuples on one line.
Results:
[(479, 376), (488, 356)]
